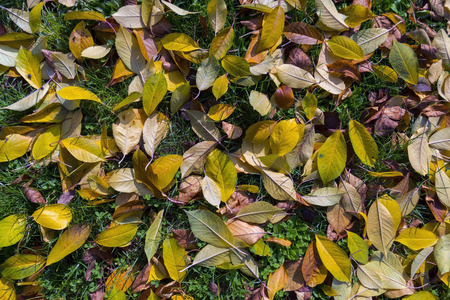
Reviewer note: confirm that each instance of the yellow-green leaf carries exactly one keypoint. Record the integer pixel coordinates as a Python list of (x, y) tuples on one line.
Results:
[(236, 66), (417, 238), (329, 16), (180, 96), (422, 295), (46, 142), (117, 236), (217, 14), (220, 112), (285, 136), (345, 47), (207, 73), (7, 291), (334, 259), (405, 63), (259, 132), (28, 66), (84, 15), (385, 73), (356, 14), (174, 259), (21, 266), (309, 104), (69, 241), (35, 17), (14, 146), (363, 143), (53, 216), (272, 29), (155, 88), (153, 236), (358, 248), (83, 149), (221, 170), (179, 42), (294, 77), (77, 93), (163, 170), (222, 42), (332, 157), (260, 102), (129, 52), (13, 229)]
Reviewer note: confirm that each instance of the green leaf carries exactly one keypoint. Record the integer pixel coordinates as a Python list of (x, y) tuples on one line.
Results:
[(153, 236), (13, 229), (405, 63), (211, 256), (309, 104), (370, 39), (71, 239), (209, 228), (334, 259), (236, 66), (272, 29), (442, 254), (117, 236), (155, 88), (258, 212), (174, 259), (207, 73), (358, 248), (345, 47), (180, 96), (222, 42), (385, 73), (332, 157), (21, 266), (363, 143)]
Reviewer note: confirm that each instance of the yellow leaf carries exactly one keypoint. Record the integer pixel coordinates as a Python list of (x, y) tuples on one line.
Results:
[(417, 238), (52, 113), (386, 174), (28, 66), (383, 220), (422, 295), (220, 112), (122, 279), (272, 28), (358, 248), (46, 142), (83, 149), (217, 14), (77, 93), (117, 236), (236, 66), (332, 157), (356, 14), (7, 291), (363, 143), (174, 259), (259, 132), (179, 42), (345, 47), (277, 281), (221, 170), (220, 86), (163, 170), (80, 39), (14, 146), (71, 239), (334, 259), (84, 15), (309, 104), (260, 102), (285, 136), (385, 73), (155, 88), (12, 229), (53, 216)]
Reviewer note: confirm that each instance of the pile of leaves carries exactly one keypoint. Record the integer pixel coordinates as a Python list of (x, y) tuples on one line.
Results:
[(307, 161)]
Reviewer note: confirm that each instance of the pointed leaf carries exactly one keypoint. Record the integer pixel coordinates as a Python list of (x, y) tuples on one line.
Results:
[(28, 66), (153, 236), (13, 146), (217, 14), (329, 15), (221, 170), (163, 170), (260, 102), (21, 266), (419, 152), (179, 42), (174, 259), (334, 259), (345, 47), (155, 88), (332, 157), (294, 77), (272, 28), (370, 39), (13, 229), (363, 143), (53, 216), (326, 196), (258, 212), (405, 63), (358, 248), (117, 236), (203, 126), (83, 149), (128, 49), (77, 93), (195, 157), (222, 42), (207, 73)]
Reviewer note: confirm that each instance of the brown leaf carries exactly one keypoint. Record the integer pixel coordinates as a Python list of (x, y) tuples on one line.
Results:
[(185, 238), (402, 187), (146, 43), (295, 276), (33, 195), (252, 55), (313, 270), (302, 33), (436, 110), (345, 68), (166, 291), (247, 233), (237, 201), (66, 197), (364, 67), (282, 242), (140, 283), (438, 209), (284, 97), (97, 295), (233, 132), (300, 59), (190, 189), (337, 217), (214, 288), (253, 24)]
